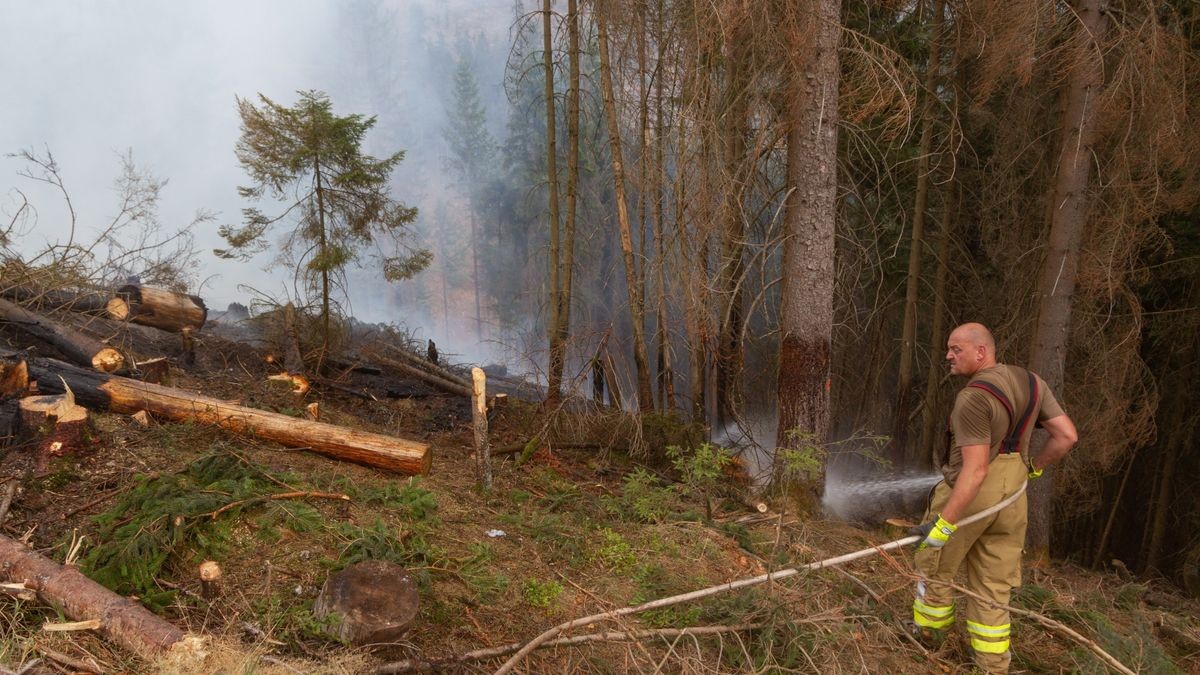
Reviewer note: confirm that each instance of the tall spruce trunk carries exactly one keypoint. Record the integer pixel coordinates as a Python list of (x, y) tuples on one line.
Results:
[(666, 376), (637, 309), (554, 336), (908, 333), (733, 232), (567, 244), (1068, 217), (937, 341), (806, 304)]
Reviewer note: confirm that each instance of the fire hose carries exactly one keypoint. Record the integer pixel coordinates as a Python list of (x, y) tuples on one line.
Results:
[(743, 583)]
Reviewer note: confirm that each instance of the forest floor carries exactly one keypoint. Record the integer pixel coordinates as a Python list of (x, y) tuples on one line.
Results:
[(566, 534)]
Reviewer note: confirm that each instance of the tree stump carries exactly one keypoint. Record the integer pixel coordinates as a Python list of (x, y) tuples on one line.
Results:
[(372, 602), (55, 423)]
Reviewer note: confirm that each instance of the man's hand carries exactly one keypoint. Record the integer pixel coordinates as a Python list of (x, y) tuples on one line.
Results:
[(1033, 473), (935, 533)]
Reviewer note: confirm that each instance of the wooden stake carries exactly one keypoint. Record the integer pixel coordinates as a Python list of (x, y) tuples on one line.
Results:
[(483, 458), (210, 579)]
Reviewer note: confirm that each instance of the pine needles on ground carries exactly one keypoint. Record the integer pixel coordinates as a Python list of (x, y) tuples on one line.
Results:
[(169, 519)]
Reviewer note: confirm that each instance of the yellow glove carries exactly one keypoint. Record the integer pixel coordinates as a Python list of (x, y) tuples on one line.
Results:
[(936, 532), (1034, 473)]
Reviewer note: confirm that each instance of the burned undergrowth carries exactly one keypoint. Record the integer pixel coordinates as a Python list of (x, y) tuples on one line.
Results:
[(604, 510)]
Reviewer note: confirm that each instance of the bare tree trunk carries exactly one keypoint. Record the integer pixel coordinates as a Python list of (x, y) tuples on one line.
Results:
[(475, 263), (806, 305), (908, 334), (937, 364), (636, 304), (555, 367), (1056, 282)]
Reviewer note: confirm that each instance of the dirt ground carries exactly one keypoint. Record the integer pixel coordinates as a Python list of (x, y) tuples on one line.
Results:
[(566, 534)]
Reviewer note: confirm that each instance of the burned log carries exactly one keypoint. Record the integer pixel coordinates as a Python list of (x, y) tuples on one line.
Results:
[(74, 345), (123, 395), (420, 363), (452, 386), (126, 622), (167, 310), (82, 301)]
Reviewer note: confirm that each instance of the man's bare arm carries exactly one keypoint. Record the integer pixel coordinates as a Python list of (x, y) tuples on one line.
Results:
[(975, 469), (1063, 437)]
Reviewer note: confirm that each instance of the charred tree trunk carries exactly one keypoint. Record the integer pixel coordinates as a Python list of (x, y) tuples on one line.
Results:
[(1056, 282), (293, 361), (123, 395), (126, 622), (806, 311), (908, 333), (666, 375), (159, 308), (733, 232), (637, 309), (76, 346)]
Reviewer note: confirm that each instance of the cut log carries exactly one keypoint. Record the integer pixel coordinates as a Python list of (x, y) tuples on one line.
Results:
[(74, 345), (479, 422), (121, 619), (163, 309), (123, 395), (299, 383), (451, 386)]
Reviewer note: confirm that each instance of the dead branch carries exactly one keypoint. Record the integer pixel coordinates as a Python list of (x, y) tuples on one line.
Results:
[(281, 495), (420, 665)]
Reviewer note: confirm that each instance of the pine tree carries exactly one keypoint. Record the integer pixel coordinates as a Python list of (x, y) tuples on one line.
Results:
[(312, 159), (471, 151)]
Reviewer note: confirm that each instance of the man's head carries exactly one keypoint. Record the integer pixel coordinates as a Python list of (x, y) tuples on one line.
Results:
[(970, 349)]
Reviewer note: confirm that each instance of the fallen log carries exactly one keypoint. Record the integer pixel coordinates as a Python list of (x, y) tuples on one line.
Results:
[(124, 395), (124, 621), (167, 310), (74, 345), (455, 386)]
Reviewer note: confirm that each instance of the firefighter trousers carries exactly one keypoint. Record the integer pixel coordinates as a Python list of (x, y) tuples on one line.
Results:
[(991, 552)]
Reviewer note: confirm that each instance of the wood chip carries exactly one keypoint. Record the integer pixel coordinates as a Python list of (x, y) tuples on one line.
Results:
[(90, 624)]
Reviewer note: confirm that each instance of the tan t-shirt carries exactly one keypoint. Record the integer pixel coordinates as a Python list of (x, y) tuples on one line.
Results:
[(979, 418)]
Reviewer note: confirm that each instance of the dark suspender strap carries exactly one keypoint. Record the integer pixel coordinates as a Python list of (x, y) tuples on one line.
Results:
[(1026, 416)]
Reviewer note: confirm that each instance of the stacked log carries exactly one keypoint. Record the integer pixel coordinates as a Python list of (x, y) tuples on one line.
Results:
[(163, 309)]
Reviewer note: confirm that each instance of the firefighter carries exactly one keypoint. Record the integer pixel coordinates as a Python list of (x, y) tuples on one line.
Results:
[(985, 459)]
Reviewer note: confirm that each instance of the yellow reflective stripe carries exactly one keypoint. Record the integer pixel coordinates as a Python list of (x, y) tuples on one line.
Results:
[(925, 622), (989, 647), (935, 611), (1003, 630)]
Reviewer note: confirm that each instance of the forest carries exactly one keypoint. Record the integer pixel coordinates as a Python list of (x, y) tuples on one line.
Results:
[(692, 268)]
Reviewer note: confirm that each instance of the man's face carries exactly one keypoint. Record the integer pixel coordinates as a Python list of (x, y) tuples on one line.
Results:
[(963, 356)]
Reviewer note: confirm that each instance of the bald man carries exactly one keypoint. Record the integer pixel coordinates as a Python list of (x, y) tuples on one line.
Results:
[(985, 459)]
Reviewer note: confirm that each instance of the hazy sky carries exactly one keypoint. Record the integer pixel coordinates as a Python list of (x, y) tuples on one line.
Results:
[(92, 80)]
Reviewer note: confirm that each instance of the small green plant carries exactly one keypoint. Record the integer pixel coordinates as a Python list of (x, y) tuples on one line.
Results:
[(408, 497), (643, 498), (541, 594), (702, 469), (476, 572), (614, 552), (803, 458)]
